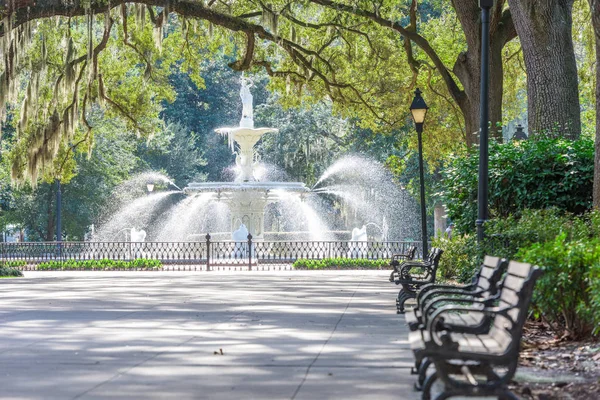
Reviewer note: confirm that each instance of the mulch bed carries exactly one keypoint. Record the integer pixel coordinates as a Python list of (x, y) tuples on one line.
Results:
[(567, 369)]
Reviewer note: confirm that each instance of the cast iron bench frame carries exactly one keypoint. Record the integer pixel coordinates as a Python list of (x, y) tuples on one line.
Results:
[(481, 290), (410, 282), (439, 346), (395, 263)]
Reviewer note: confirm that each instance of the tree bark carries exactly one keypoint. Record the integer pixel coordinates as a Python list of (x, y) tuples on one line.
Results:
[(545, 30), (467, 67), (595, 11)]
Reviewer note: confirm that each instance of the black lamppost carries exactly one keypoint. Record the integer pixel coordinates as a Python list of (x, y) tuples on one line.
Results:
[(482, 193), (58, 212), (418, 109)]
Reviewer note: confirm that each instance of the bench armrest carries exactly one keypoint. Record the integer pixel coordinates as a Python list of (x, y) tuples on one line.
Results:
[(399, 255), (406, 267), (435, 304), (434, 322), (434, 286), (432, 290)]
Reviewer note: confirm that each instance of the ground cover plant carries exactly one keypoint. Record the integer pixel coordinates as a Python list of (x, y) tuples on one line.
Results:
[(340, 263), (7, 272), (567, 246), (8, 269), (105, 264)]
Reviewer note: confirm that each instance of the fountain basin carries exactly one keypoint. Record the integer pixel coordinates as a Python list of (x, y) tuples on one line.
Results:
[(247, 200)]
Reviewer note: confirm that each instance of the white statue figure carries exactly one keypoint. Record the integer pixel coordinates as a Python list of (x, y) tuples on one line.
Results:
[(247, 120), (240, 237), (138, 236), (358, 243), (136, 248)]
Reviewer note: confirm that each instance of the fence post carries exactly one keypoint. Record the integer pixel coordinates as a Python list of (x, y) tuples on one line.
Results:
[(249, 252), (208, 251)]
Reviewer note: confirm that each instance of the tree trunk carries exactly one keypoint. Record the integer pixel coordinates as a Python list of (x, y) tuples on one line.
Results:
[(595, 11), (496, 87), (468, 71), (545, 31), (467, 67)]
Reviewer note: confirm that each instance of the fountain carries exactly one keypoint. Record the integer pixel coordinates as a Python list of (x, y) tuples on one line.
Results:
[(354, 191), (248, 197)]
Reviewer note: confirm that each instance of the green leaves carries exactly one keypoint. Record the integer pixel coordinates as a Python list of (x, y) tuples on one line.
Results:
[(568, 294), (534, 174), (105, 264), (340, 263), (8, 268)]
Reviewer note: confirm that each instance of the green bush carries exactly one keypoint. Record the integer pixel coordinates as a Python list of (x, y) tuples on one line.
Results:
[(460, 257), (13, 264), (594, 289), (340, 263), (567, 246), (567, 294), (105, 264), (532, 174), (9, 272)]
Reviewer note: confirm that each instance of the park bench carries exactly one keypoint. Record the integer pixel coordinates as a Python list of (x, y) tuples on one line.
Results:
[(412, 275), (479, 292), (396, 262), (477, 364)]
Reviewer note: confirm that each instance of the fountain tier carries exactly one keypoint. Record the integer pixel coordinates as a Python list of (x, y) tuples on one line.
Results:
[(245, 138)]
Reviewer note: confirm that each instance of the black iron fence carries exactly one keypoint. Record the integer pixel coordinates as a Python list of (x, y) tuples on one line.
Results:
[(206, 254)]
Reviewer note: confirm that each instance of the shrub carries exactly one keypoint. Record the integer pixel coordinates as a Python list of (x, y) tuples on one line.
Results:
[(566, 295), (594, 289), (340, 263), (567, 246), (534, 174), (105, 264), (460, 257), (13, 264), (10, 272)]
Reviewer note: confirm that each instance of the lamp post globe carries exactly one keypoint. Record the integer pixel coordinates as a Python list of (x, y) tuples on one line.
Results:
[(150, 187), (418, 110)]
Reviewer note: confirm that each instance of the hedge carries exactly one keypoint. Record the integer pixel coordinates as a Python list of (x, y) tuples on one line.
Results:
[(340, 263), (104, 264)]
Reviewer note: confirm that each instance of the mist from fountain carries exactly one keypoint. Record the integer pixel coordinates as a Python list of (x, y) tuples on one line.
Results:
[(368, 188), (139, 213), (299, 215)]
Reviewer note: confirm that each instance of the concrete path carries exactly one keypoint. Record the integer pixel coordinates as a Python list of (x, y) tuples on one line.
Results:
[(145, 335)]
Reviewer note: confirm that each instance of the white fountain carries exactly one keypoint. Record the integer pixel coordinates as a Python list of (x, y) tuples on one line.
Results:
[(248, 197)]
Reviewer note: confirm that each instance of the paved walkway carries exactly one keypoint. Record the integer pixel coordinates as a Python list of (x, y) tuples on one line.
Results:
[(144, 335)]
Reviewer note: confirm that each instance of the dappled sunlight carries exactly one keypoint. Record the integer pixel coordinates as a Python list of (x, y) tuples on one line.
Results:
[(111, 334)]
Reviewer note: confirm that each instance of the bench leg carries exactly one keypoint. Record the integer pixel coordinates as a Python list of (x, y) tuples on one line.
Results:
[(428, 385), (423, 367), (403, 295)]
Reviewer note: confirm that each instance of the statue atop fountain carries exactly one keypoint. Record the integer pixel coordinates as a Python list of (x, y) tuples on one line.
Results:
[(246, 135), (247, 120)]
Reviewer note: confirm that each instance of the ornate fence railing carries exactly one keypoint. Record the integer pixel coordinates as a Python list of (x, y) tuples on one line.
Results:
[(206, 254)]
